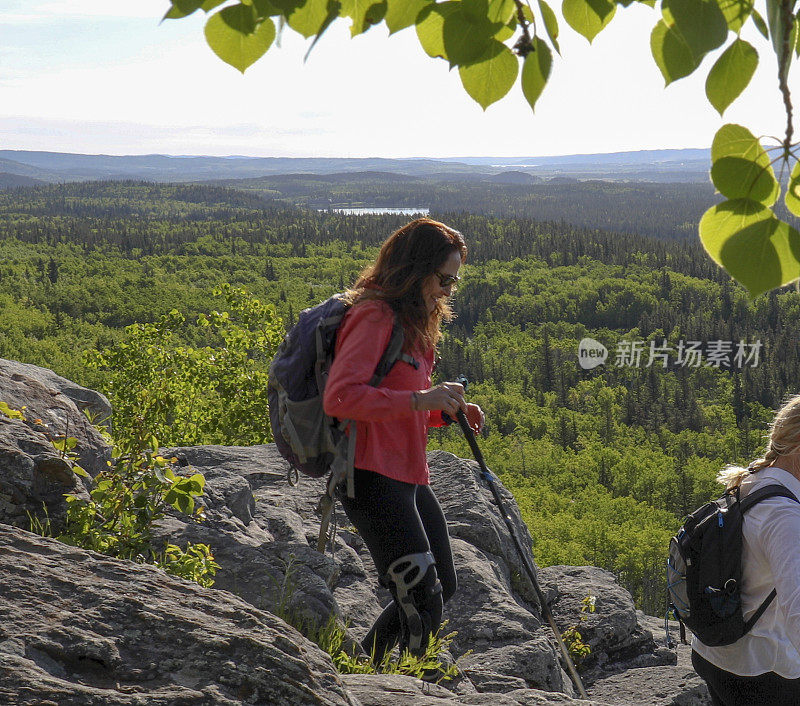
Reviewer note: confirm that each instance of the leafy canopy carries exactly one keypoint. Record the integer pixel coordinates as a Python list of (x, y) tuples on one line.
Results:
[(488, 39)]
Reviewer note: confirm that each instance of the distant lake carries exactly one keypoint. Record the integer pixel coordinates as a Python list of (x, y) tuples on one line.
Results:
[(378, 209)]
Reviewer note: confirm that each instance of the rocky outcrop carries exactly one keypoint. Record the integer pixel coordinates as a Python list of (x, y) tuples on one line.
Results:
[(33, 476), (53, 407), (80, 629), (262, 531), (83, 398), (613, 631)]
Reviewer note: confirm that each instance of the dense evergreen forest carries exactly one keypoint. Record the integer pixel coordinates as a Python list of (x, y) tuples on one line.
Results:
[(604, 462)]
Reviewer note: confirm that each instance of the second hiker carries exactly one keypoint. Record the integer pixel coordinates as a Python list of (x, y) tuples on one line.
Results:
[(763, 667)]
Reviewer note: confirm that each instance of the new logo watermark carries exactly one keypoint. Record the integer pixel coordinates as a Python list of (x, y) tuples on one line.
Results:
[(684, 354), (591, 353)]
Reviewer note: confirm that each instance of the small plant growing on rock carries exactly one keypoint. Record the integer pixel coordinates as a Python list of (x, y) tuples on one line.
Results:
[(332, 639), (578, 649), (127, 499), (11, 413)]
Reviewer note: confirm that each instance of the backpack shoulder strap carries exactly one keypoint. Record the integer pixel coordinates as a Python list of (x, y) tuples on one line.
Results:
[(773, 490), (755, 616), (393, 353)]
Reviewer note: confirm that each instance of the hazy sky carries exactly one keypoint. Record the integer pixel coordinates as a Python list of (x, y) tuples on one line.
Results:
[(103, 76)]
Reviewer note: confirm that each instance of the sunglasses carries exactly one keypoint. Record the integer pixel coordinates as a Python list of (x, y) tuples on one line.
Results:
[(446, 280)]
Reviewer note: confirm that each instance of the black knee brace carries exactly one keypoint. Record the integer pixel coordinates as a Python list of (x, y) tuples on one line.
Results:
[(414, 583)]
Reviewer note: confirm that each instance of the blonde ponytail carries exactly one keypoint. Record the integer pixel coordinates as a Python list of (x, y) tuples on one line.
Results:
[(732, 476)]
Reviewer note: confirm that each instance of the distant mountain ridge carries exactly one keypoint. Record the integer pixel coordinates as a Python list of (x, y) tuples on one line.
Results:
[(686, 165)]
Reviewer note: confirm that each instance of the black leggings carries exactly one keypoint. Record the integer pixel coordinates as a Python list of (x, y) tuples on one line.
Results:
[(396, 519), (729, 689)]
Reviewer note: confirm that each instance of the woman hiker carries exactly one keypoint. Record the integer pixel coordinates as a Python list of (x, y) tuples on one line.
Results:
[(763, 667), (394, 508)]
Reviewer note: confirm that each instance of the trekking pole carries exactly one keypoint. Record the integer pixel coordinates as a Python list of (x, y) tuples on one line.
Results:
[(487, 475)]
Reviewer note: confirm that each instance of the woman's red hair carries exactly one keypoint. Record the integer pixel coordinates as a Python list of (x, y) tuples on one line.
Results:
[(407, 258)]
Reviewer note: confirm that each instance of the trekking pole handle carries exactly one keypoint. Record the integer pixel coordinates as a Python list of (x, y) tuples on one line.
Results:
[(461, 380)]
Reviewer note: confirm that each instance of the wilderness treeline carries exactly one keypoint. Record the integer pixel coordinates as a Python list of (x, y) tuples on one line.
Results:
[(604, 462), (661, 210)]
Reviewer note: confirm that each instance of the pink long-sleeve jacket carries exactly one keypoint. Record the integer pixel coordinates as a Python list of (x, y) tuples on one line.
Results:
[(390, 436)]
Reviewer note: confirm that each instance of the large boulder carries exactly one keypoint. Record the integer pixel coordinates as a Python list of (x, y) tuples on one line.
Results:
[(77, 628), (33, 477), (264, 542), (382, 690), (613, 631)]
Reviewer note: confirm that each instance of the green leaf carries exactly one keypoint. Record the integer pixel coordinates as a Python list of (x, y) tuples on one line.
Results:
[(796, 34), (489, 78), (234, 36), (12, 413), (738, 178), (550, 24), (775, 22), (501, 11), (184, 503), (792, 197), (182, 8), (475, 10), (730, 74), (761, 26), (430, 27), (735, 12), (506, 31), (741, 168), (79, 471), (535, 71), (757, 249), (200, 480), (403, 13), (701, 24), (309, 18), (465, 40), (671, 53), (588, 17), (268, 8)]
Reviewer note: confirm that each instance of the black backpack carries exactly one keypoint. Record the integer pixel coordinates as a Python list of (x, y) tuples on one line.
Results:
[(704, 569)]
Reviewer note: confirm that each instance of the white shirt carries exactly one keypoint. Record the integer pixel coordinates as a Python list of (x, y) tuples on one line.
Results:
[(770, 559)]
